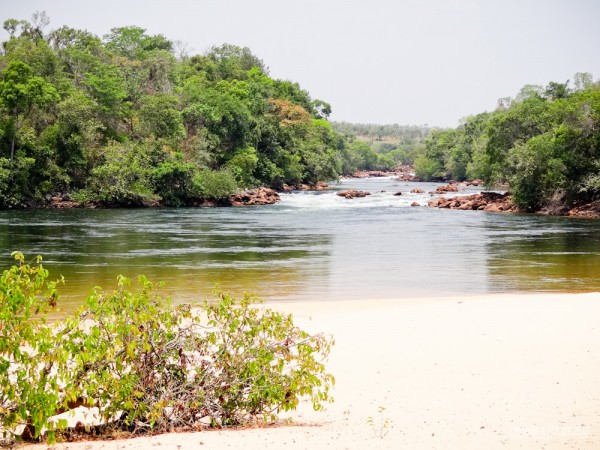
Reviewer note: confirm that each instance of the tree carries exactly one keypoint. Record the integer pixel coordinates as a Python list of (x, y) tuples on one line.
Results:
[(582, 80), (20, 91), (555, 90), (133, 42), (160, 116)]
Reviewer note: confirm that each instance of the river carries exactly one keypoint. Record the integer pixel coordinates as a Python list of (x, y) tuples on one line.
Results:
[(312, 246)]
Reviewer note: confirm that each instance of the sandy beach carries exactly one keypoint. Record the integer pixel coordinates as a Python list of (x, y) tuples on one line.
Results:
[(483, 372)]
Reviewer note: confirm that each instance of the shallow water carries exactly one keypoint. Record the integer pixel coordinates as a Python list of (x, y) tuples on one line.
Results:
[(312, 246)]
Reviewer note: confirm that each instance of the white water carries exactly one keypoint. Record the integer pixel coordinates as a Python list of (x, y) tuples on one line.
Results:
[(382, 191)]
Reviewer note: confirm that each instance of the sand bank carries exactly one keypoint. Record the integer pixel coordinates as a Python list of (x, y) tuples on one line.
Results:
[(484, 372)]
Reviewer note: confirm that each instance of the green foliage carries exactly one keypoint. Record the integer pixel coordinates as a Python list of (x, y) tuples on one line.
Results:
[(537, 172), (20, 91), (392, 144), (122, 179), (219, 110), (107, 87), (426, 168), (159, 116), (15, 181), (360, 156), (30, 359), (133, 42), (69, 98), (242, 165), (147, 365), (173, 180), (216, 184), (544, 144)]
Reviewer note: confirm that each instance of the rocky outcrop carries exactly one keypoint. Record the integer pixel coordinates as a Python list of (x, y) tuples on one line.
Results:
[(406, 173), (371, 173), (353, 193), (252, 197), (407, 177), (586, 211), (496, 202), (485, 201), (318, 186), (62, 201), (445, 189), (476, 182)]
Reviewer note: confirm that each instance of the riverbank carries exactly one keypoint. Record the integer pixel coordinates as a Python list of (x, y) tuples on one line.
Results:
[(497, 202), (494, 371)]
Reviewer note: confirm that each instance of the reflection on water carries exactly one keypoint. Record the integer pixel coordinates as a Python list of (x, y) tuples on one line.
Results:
[(312, 246), (546, 254), (191, 250)]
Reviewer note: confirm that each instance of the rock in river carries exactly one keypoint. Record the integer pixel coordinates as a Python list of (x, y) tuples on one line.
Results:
[(353, 193)]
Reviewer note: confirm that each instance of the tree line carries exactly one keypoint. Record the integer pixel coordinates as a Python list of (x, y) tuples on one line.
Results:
[(129, 119), (544, 143), (395, 144)]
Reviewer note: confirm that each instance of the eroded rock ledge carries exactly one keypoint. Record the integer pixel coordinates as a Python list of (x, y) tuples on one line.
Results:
[(258, 196), (485, 201), (496, 202), (587, 210)]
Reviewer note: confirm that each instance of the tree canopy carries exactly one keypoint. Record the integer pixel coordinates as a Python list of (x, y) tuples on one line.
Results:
[(127, 119), (545, 144)]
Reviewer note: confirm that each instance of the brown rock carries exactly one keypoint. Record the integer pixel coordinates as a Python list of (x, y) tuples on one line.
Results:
[(63, 201), (415, 204), (370, 173), (476, 182), (417, 191), (589, 210), (444, 189), (485, 201), (258, 196), (398, 193), (353, 193)]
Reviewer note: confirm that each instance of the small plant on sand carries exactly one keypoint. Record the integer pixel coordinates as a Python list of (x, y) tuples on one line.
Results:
[(147, 365), (380, 425), (29, 357)]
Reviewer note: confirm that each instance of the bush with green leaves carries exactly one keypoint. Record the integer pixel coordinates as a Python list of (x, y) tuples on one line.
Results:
[(147, 365), (122, 179), (215, 184), (30, 360), (172, 180)]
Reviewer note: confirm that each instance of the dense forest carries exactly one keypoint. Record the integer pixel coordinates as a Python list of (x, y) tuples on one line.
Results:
[(129, 119), (544, 143), (394, 143)]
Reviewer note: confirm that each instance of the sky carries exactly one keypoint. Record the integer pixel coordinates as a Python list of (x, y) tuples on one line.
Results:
[(412, 62)]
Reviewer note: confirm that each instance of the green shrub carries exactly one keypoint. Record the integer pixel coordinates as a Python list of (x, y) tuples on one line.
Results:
[(173, 181), (30, 360), (215, 184), (147, 365), (427, 169), (242, 165)]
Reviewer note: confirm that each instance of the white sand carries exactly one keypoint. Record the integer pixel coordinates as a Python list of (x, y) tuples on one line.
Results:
[(484, 372)]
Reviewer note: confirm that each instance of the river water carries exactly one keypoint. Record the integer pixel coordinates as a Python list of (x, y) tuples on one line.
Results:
[(312, 246)]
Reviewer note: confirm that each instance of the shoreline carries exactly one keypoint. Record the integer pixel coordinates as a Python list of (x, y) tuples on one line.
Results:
[(473, 371)]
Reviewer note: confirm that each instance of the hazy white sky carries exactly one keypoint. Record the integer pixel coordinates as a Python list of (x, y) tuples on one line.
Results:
[(375, 61)]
